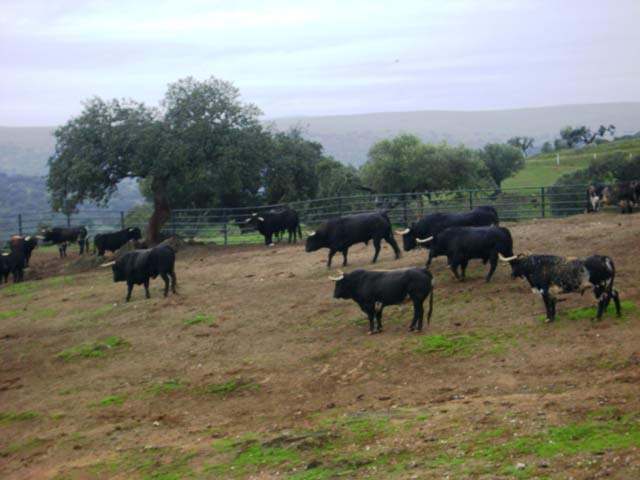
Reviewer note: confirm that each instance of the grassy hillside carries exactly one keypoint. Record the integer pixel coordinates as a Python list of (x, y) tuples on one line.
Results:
[(542, 169), (254, 371)]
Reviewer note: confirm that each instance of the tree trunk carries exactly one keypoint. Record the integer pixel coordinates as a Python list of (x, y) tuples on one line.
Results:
[(161, 210)]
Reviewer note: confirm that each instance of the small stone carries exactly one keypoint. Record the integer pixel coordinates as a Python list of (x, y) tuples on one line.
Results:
[(543, 465), (330, 405), (520, 466), (156, 423)]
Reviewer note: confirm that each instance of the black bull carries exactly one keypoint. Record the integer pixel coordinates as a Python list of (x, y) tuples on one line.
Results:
[(114, 240), (341, 233), (373, 290), (551, 275), (138, 266), (61, 235), (276, 222), (461, 244), (432, 224)]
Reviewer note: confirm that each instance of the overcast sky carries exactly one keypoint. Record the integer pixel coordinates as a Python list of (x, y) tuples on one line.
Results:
[(318, 58)]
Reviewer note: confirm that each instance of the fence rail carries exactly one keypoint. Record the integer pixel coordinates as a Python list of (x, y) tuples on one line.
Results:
[(224, 225)]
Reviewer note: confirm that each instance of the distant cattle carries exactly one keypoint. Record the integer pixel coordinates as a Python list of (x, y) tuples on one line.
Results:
[(461, 244), (432, 224), (624, 194), (340, 233), (276, 222), (61, 235), (374, 290), (551, 275), (138, 266), (26, 245), (114, 240), (12, 263)]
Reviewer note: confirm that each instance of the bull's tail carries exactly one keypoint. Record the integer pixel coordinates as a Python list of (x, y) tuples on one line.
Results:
[(430, 306)]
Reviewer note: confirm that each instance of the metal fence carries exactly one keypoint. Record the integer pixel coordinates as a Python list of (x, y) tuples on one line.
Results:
[(225, 225)]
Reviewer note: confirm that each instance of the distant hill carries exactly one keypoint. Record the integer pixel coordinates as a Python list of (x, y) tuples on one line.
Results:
[(348, 138)]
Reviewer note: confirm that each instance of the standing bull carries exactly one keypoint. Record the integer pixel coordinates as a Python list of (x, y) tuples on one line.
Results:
[(12, 263), (114, 240), (61, 235), (138, 266), (624, 194), (275, 222), (26, 245), (431, 225), (373, 291), (550, 275), (340, 233), (461, 244)]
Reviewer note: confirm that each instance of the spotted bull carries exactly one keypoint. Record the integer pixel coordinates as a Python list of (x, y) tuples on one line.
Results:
[(551, 275)]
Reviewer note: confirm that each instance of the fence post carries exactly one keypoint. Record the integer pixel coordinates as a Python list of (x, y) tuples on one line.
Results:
[(542, 200), (225, 230), (470, 200), (121, 219), (68, 219), (19, 224)]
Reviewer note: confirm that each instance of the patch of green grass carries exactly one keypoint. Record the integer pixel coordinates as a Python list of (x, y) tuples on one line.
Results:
[(168, 386), (448, 345), (589, 313), (25, 445), (8, 314), (51, 282), (98, 349), (224, 388), (17, 417), (109, 401), (206, 319), (150, 464), (16, 288)]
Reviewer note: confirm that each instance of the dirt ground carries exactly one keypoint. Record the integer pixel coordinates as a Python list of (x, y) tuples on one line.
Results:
[(254, 371)]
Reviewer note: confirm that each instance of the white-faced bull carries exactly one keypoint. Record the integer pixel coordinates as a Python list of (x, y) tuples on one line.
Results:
[(551, 275), (25, 245), (431, 225), (373, 291), (461, 244), (623, 194), (138, 266), (341, 233)]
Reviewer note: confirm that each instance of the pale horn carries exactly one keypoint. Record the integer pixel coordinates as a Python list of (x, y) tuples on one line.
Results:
[(506, 259), (403, 232), (108, 264), (336, 279), (424, 240)]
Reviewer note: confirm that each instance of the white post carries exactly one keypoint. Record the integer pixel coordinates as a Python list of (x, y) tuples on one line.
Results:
[(557, 159)]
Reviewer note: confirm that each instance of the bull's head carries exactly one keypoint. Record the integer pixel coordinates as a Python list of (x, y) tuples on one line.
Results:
[(516, 262), (134, 233), (315, 241)]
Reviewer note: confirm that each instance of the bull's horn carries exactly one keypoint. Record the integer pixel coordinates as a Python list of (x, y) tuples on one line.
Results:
[(310, 234), (424, 240), (27, 238), (40, 237), (248, 220), (403, 232), (336, 279), (261, 219), (506, 259), (108, 264)]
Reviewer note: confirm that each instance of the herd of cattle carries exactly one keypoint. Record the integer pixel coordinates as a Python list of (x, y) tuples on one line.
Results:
[(458, 236)]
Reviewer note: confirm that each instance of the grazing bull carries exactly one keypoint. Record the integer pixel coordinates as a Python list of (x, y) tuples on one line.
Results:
[(275, 222), (461, 244), (114, 240), (61, 235), (431, 225), (374, 290), (550, 275), (340, 233), (12, 263), (26, 245), (624, 194), (138, 266)]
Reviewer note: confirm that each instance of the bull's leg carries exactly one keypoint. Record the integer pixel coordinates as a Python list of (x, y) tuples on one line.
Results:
[(370, 310), (494, 264), (129, 288), (332, 252), (616, 300), (453, 265), (60, 249), (146, 288), (418, 314), (81, 245), (379, 318), (547, 306), (267, 239), (165, 277), (376, 245), (173, 282), (344, 257), (392, 241), (463, 268), (430, 257)]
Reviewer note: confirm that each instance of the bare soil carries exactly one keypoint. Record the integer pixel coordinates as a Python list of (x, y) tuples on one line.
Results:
[(274, 362)]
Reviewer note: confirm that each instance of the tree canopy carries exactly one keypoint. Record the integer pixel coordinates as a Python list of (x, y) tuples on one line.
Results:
[(502, 161), (523, 143)]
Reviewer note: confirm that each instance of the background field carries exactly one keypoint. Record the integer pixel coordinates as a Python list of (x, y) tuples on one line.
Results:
[(254, 371)]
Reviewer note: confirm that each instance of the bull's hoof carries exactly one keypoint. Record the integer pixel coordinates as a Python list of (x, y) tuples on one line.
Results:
[(271, 245), (548, 320), (411, 329)]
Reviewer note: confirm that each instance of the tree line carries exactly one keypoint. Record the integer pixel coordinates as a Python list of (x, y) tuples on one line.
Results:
[(204, 147)]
